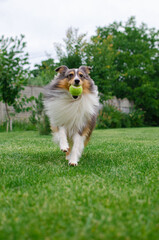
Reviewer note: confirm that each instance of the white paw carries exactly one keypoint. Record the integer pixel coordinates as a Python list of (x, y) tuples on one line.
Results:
[(73, 163), (64, 147)]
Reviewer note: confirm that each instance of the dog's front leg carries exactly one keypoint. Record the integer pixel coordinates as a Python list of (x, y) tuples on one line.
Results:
[(63, 139), (77, 149)]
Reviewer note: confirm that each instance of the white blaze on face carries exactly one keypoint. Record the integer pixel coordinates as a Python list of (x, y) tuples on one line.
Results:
[(76, 75)]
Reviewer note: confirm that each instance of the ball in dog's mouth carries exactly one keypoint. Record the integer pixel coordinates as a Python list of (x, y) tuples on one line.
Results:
[(75, 91)]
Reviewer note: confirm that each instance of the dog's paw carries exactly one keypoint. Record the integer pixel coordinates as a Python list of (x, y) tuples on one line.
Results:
[(64, 148), (73, 164)]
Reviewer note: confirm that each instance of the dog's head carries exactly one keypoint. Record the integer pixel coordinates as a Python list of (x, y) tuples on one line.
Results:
[(76, 77)]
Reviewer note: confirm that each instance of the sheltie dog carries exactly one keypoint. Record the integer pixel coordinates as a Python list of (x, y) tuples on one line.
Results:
[(72, 118)]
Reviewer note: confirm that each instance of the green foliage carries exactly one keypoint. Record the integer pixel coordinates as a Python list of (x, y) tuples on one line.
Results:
[(126, 62), (21, 125), (39, 118), (72, 54), (110, 117), (43, 73), (71, 61), (44, 125), (100, 54), (22, 104), (13, 71), (137, 118), (148, 102)]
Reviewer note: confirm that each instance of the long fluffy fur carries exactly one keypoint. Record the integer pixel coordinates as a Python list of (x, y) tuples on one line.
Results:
[(74, 118)]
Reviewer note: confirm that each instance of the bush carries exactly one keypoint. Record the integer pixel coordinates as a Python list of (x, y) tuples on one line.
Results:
[(3, 126), (22, 125), (39, 118), (44, 125), (111, 117), (137, 118)]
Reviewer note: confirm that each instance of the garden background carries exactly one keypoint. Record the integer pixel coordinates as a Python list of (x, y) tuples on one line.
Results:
[(125, 61)]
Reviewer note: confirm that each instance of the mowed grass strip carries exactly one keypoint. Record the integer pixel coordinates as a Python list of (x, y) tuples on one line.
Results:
[(112, 194)]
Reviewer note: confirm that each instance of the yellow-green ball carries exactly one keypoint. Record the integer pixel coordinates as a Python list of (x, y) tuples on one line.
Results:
[(75, 91)]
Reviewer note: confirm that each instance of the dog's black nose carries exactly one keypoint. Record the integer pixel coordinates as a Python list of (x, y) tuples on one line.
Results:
[(77, 81)]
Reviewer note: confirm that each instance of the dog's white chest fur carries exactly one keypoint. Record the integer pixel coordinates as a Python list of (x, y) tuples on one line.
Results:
[(73, 114)]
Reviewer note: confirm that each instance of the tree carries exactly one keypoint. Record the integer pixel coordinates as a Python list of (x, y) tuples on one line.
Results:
[(43, 73), (100, 54), (13, 71), (132, 56), (72, 52)]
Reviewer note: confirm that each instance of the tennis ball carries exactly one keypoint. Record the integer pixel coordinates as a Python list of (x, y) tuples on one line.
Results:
[(75, 91)]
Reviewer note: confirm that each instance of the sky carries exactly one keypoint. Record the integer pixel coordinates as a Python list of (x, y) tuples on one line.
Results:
[(45, 22)]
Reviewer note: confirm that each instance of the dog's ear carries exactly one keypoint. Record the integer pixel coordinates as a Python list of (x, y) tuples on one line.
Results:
[(62, 69), (86, 69)]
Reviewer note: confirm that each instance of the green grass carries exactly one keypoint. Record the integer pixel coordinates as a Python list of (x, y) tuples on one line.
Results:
[(112, 194)]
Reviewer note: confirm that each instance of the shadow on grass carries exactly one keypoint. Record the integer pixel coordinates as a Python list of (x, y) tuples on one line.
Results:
[(26, 169), (52, 160), (90, 162)]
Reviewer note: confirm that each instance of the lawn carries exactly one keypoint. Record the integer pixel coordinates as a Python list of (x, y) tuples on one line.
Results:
[(112, 194)]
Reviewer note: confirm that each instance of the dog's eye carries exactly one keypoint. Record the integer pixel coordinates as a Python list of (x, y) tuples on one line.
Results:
[(81, 75), (70, 75)]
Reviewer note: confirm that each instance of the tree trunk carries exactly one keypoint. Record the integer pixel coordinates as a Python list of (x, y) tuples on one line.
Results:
[(7, 126), (11, 125), (8, 117)]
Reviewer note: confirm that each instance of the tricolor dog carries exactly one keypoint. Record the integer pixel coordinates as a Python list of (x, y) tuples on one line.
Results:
[(72, 118)]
